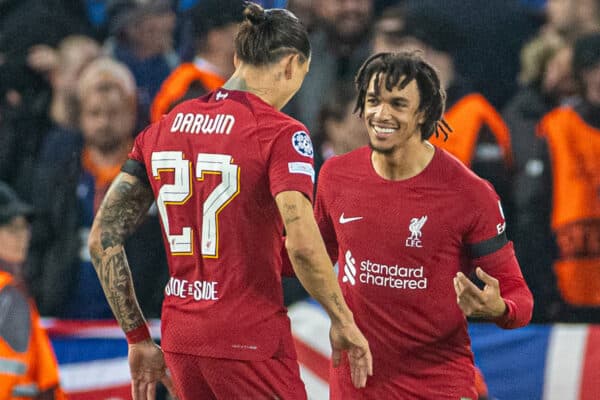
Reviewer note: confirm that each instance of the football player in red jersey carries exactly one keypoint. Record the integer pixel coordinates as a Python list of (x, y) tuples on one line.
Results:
[(228, 172), (408, 224)]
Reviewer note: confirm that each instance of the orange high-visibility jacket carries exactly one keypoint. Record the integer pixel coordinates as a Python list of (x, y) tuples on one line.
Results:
[(466, 117), (23, 375), (177, 84), (574, 148)]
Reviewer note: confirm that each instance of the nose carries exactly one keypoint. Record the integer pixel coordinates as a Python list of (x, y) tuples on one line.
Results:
[(381, 112)]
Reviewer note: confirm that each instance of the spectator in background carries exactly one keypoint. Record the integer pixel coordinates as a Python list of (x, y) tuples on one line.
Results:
[(70, 184), (72, 55), (141, 37), (569, 19), (340, 130), (480, 138), (546, 82), (305, 11), (573, 137), (24, 93), (215, 24), (340, 43), (28, 368)]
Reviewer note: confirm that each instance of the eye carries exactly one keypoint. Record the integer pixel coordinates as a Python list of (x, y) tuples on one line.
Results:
[(371, 100)]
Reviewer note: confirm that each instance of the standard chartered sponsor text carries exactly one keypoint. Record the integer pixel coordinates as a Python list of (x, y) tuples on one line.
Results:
[(392, 276)]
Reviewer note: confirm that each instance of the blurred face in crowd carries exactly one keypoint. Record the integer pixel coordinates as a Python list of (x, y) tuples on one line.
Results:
[(221, 40), (348, 18), (107, 117), (14, 240), (152, 34), (591, 82), (558, 80), (304, 10), (74, 55), (346, 133), (562, 14), (392, 117)]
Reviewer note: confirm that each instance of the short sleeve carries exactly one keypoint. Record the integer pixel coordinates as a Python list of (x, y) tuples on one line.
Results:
[(487, 231), (322, 215), (135, 165), (291, 165), (137, 152)]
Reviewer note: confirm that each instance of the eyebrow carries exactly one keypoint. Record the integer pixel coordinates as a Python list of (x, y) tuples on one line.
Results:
[(399, 99)]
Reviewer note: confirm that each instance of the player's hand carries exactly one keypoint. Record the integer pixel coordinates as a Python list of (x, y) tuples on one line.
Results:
[(349, 338), (473, 302), (147, 365)]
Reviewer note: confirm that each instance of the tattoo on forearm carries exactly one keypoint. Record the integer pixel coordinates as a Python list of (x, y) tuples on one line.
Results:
[(291, 213), (336, 301), (122, 211), (115, 277)]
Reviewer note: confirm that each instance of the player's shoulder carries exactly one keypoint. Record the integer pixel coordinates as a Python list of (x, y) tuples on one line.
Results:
[(340, 164), (457, 175)]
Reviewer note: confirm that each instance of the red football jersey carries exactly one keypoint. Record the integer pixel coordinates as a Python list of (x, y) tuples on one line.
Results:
[(215, 165), (399, 245)]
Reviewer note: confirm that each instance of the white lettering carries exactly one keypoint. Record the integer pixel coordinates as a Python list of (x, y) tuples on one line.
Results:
[(393, 276), (199, 290), (197, 123), (203, 123), (177, 122)]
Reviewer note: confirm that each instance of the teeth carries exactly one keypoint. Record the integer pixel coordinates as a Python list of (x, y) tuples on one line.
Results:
[(383, 130)]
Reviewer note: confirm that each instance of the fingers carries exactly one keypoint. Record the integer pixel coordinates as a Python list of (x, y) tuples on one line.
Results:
[(151, 391), (138, 390), (465, 287), (485, 278), (361, 366), (168, 382), (468, 296)]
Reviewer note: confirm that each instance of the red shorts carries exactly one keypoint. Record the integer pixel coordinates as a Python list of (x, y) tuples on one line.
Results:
[(208, 378)]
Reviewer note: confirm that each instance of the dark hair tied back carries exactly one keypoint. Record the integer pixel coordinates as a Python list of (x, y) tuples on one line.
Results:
[(254, 13), (266, 36)]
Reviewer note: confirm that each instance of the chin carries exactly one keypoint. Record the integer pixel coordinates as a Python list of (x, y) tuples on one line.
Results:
[(382, 150)]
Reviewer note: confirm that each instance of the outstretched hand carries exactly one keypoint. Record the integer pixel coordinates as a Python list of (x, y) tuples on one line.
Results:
[(147, 366), (474, 302), (349, 338)]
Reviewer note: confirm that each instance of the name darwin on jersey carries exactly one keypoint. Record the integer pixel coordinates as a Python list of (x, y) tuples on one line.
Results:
[(203, 123), (377, 274), (199, 290)]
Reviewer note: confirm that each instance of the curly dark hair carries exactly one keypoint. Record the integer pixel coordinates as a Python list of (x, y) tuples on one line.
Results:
[(398, 70)]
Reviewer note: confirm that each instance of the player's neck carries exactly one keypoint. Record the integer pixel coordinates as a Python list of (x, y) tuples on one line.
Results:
[(259, 83), (405, 162)]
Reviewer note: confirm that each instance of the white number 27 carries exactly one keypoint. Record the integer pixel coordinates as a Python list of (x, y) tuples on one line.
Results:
[(180, 191)]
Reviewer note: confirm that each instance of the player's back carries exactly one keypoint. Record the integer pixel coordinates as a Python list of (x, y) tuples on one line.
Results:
[(215, 164)]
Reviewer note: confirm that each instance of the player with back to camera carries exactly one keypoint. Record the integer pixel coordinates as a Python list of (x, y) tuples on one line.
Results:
[(228, 171), (408, 223)]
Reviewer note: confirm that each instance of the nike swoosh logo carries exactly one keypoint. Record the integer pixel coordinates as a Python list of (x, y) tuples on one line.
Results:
[(344, 220)]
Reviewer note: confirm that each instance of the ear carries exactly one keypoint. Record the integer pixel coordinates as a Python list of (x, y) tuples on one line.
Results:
[(236, 60), (288, 65)]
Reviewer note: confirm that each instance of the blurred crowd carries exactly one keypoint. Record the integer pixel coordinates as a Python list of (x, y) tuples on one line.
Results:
[(79, 79)]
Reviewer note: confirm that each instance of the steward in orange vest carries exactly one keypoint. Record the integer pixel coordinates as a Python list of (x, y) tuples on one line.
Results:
[(215, 24), (28, 368), (573, 136)]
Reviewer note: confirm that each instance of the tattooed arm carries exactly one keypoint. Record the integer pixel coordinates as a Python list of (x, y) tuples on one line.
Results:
[(121, 212), (313, 268)]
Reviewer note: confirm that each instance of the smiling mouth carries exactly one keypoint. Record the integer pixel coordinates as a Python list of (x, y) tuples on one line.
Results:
[(382, 132)]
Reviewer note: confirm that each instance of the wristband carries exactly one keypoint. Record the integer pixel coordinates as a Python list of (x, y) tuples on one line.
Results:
[(138, 334)]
